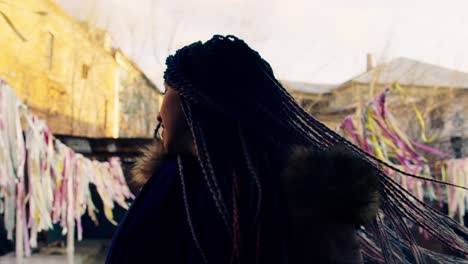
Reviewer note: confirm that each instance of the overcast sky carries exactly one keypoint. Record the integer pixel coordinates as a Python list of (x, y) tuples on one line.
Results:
[(304, 40)]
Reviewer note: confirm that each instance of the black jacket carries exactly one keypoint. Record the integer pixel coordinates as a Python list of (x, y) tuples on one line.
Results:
[(327, 195)]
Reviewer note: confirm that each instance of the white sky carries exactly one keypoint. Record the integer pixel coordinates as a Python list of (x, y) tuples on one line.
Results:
[(322, 41)]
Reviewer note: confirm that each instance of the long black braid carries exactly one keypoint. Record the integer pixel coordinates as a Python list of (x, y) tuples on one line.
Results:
[(236, 108), (206, 166)]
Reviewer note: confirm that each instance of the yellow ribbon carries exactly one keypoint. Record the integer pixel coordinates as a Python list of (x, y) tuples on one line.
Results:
[(418, 115), (375, 144)]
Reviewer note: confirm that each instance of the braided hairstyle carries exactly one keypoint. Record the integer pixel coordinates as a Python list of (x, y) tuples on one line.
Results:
[(244, 122)]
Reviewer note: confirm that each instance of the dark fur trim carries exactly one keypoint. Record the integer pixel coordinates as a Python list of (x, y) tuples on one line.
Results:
[(336, 185), (151, 159)]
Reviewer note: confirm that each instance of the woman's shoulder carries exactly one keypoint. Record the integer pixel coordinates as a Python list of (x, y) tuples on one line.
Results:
[(336, 182), (327, 194)]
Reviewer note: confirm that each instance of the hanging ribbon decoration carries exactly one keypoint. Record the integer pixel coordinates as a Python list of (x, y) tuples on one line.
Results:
[(58, 179), (376, 131), (418, 115), (456, 171)]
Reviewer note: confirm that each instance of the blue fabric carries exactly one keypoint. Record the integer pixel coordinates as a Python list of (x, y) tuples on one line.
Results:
[(155, 228)]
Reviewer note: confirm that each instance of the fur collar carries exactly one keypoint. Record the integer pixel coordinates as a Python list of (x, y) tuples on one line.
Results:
[(151, 159), (341, 186), (337, 183)]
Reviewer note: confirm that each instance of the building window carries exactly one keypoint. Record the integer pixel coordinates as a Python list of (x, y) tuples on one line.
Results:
[(457, 146), (84, 71), (437, 118)]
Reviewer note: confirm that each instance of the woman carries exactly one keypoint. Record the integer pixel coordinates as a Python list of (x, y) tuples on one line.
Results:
[(244, 175)]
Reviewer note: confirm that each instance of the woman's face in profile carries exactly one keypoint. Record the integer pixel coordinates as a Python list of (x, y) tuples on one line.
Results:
[(176, 135)]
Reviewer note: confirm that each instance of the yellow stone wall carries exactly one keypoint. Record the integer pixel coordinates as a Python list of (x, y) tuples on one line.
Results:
[(57, 69), (138, 100)]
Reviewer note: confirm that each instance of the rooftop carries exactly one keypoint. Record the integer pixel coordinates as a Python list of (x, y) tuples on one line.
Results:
[(313, 88), (412, 72)]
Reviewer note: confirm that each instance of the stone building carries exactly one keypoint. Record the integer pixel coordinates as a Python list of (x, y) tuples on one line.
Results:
[(69, 74), (439, 93)]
